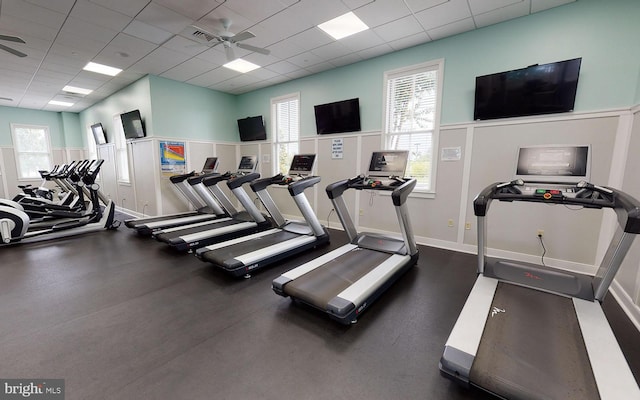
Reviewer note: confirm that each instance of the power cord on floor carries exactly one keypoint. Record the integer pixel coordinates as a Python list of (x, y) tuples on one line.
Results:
[(544, 249), (329, 216)]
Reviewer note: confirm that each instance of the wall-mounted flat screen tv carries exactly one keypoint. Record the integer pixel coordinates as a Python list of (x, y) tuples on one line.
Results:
[(132, 124), (338, 117), (98, 133), (537, 89), (252, 128)]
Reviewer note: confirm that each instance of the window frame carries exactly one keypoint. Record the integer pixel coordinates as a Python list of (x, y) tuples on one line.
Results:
[(17, 152), (434, 65), (276, 142)]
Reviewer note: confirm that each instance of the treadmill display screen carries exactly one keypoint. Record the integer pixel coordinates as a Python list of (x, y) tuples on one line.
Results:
[(388, 163), (210, 165), (568, 164), (302, 164), (248, 163)]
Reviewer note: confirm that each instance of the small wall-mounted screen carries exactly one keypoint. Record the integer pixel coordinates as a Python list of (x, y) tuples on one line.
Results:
[(338, 117), (252, 128), (132, 125), (98, 133)]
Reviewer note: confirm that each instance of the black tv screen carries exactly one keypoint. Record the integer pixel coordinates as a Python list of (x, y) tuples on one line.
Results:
[(338, 117), (252, 128), (132, 124), (98, 133), (538, 89)]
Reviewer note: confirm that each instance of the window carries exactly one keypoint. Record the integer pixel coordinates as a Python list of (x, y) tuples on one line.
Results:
[(286, 127), (412, 117), (122, 156), (32, 147)]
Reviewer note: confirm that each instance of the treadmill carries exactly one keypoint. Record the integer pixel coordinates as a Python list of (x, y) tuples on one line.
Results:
[(242, 256), (529, 331), (207, 207), (345, 281), (238, 223)]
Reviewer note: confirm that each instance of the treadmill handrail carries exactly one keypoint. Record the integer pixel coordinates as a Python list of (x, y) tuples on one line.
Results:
[(180, 178), (626, 207), (239, 180), (401, 193), (263, 183), (297, 187)]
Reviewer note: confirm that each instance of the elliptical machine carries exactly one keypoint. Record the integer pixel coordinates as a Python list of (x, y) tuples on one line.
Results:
[(16, 226)]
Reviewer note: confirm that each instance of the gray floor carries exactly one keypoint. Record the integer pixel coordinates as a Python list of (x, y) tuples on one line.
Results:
[(122, 317)]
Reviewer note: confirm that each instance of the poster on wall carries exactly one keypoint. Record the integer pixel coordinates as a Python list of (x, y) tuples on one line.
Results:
[(172, 159), (337, 147)]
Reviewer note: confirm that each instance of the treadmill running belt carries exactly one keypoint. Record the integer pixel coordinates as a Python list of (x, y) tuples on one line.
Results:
[(322, 284), (228, 253), (532, 348)]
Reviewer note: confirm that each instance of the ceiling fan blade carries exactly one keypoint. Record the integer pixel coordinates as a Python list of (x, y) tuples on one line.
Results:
[(12, 39), (253, 48), (12, 51), (242, 36), (229, 52)]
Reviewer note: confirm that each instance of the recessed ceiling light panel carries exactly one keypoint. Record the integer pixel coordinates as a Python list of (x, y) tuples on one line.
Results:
[(343, 26), (241, 65), (78, 90), (60, 103), (102, 69)]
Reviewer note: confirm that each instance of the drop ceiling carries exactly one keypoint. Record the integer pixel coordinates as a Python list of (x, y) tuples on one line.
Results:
[(156, 37)]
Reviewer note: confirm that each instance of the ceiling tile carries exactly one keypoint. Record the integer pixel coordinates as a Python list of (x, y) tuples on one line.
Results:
[(375, 51), (255, 11), (451, 29), (130, 8), (159, 61), (346, 59), (164, 18), (283, 67), (32, 13), (188, 70), (304, 60), (124, 51), (381, 12), (446, 13), (332, 50), (398, 29), (316, 12), (409, 41), (483, 6), (86, 30), (61, 6), (323, 66), (286, 49), (420, 5), (540, 5), (185, 46), (194, 9), (212, 77), (311, 38), (147, 32), (502, 14), (100, 16)]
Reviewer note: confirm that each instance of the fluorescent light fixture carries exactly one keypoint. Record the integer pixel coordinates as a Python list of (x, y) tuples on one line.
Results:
[(241, 65), (102, 69), (343, 26), (60, 103), (78, 90)]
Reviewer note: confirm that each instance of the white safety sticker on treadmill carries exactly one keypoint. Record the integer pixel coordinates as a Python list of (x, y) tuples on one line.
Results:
[(496, 310)]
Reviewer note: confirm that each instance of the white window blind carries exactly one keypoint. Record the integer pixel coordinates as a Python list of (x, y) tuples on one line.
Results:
[(412, 111), (286, 127), (32, 148)]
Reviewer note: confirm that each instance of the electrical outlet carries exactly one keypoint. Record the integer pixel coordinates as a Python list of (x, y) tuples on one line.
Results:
[(450, 223), (467, 226), (540, 232), (361, 212)]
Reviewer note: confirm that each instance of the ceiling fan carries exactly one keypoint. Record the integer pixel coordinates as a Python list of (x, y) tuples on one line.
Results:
[(14, 39), (227, 39)]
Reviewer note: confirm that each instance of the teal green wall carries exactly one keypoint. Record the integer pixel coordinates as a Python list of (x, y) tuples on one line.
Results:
[(53, 120), (604, 34), (71, 128), (185, 111), (132, 97)]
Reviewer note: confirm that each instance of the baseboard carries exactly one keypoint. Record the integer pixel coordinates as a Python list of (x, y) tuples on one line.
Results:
[(626, 303)]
